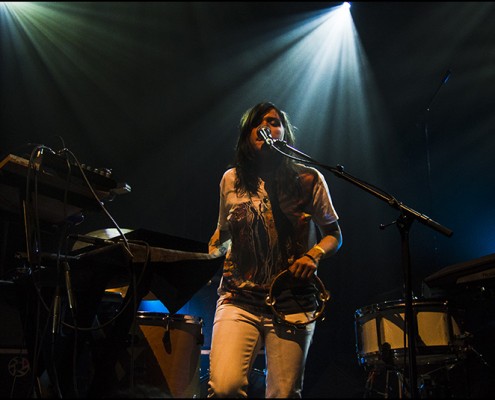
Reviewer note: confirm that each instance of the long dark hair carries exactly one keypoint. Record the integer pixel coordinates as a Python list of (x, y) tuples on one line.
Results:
[(245, 158)]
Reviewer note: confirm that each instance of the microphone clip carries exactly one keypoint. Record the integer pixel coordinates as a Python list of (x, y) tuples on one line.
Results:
[(265, 133)]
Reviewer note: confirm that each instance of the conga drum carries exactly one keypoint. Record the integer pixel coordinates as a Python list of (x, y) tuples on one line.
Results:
[(167, 353)]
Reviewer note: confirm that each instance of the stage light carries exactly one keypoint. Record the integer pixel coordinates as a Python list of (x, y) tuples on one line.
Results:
[(322, 77), (12, 5)]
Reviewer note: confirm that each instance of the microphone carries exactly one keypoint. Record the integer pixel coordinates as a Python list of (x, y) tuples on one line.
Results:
[(56, 313), (68, 284), (265, 133)]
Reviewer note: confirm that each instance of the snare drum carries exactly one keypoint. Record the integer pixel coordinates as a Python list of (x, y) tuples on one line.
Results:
[(173, 343), (381, 336)]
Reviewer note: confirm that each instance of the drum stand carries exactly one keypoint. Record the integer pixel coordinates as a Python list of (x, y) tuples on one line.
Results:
[(388, 391), (434, 381)]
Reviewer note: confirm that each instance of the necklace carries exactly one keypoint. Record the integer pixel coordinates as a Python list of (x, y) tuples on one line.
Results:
[(261, 202)]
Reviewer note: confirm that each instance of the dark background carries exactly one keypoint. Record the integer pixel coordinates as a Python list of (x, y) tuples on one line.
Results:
[(155, 91)]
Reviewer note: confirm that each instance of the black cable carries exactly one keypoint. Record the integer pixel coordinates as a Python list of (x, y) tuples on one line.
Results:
[(100, 203)]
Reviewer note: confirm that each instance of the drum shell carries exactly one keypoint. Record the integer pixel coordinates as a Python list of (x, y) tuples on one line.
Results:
[(382, 323), (168, 355)]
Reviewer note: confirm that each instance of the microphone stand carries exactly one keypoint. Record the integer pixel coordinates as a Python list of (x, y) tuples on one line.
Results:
[(406, 218), (427, 146)]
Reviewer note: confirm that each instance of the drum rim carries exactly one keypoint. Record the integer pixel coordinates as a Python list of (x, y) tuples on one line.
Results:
[(423, 358), (161, 316), (399, 303)]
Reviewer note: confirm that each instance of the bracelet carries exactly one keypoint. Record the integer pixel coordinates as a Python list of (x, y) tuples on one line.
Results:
[(319, 248), (311, 257)]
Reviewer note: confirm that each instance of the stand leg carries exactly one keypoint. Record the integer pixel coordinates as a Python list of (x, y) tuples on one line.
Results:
[(381, 383)]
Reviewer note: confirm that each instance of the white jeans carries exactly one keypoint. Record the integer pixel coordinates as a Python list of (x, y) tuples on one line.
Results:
[(238, 336)]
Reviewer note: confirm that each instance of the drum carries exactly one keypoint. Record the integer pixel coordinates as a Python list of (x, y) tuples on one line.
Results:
[(169, 357), (381, 336)]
